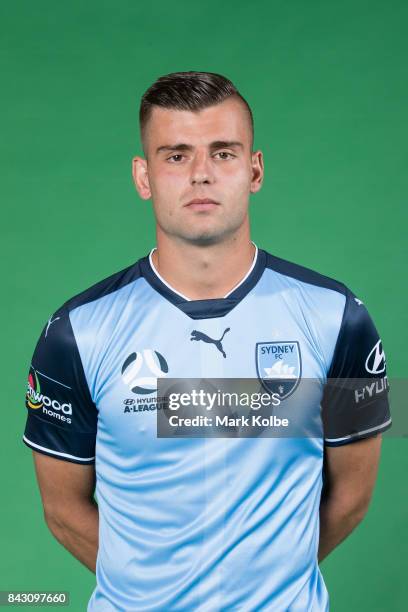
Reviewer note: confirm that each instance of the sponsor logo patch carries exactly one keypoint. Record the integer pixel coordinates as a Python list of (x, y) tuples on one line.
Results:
[(375, 362), (37, 399)]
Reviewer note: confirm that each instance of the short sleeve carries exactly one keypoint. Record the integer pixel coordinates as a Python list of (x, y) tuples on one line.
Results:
[(61, 416), (355, 402)]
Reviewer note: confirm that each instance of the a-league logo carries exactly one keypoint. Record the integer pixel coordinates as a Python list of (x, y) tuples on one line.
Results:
[(141, 369)]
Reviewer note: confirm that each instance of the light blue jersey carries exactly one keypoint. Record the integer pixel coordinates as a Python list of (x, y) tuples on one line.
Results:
[(198, 523)]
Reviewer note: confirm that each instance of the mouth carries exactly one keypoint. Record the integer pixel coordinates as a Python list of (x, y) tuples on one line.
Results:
[(202, 204)]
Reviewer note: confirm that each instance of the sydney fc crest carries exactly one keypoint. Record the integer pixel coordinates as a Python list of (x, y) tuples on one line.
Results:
[(279, 366)]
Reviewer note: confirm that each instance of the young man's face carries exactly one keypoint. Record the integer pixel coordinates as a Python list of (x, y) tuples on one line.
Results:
[(214, 162)]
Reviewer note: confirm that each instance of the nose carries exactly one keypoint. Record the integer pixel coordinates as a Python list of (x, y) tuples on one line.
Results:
[(201, 171)]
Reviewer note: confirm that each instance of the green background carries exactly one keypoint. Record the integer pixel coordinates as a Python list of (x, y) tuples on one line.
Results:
[(327, 82)]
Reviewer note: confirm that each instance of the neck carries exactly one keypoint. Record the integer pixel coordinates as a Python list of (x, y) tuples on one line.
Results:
[(200, 273)]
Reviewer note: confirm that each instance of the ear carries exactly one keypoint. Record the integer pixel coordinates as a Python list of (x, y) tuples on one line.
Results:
[(257, 171), (141, 177)]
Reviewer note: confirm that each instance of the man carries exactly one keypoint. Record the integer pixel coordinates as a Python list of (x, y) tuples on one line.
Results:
[(204, 523)]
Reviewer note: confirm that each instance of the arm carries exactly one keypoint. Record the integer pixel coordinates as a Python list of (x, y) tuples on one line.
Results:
[(350, 474), (66, 434), (69, 508)]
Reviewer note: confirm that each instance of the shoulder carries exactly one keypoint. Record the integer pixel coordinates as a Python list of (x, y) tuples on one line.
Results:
[(57, 334), (303, 274), (330, 300), (108, 286), (316, 295)]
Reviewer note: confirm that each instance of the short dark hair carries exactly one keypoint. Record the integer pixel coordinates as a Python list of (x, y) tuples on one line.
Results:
[(191, 91)]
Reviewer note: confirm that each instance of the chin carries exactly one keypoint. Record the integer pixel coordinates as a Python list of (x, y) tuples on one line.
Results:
[(204, 235), (203, 239), (206, 238)]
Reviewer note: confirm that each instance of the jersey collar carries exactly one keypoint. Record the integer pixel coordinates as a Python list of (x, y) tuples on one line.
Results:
[(205, 309)]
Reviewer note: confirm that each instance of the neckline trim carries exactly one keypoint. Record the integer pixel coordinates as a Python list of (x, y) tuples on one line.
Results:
[(207, 308), (156, 272)]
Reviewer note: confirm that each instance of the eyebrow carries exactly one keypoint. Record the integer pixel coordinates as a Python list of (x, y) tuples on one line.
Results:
[(216, 144)]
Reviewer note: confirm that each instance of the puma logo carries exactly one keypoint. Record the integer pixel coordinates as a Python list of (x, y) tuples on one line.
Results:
[(50, 322), (197, 335)]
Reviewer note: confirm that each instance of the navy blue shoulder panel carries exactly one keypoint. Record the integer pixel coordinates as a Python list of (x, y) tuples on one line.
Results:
[(104, 287), (303, 274)]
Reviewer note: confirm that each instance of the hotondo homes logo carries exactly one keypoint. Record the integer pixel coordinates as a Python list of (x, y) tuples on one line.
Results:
[(33, 397), (37, 399)]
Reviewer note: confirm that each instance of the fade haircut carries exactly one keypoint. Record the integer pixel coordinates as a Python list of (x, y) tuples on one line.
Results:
[(191, 91)]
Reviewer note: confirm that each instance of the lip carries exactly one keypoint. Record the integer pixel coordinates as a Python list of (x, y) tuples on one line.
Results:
[(202, 203)]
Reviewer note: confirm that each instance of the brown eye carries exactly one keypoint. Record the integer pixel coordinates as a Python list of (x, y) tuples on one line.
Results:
[(224, 153)]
